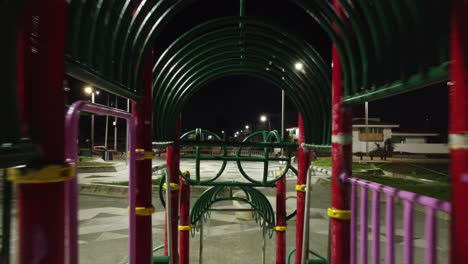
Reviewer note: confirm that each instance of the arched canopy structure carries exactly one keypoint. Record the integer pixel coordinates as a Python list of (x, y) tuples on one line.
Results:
[(404, 40), (263, 212), (234, 46)]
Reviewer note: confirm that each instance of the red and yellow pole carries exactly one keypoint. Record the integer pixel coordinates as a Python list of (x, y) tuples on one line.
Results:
[(41, 67), (459, 130), (184, 227), (144, 207), (341, 162), (173, 165), (303, 162)]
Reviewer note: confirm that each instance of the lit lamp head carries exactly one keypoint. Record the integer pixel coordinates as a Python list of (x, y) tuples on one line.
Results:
[(263, 118), (88, 90), (299, 66)]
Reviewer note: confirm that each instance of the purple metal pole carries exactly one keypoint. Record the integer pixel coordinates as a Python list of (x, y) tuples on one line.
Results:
[(375, 227), (71, 151), (390, 230), (354, 215), (408, 232), (431, 236), (363, 225)]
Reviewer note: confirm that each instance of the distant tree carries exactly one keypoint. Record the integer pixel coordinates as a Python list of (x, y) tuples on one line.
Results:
[(389, 147)]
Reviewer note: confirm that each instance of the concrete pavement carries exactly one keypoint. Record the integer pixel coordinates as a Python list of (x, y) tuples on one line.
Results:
[(103, 230)]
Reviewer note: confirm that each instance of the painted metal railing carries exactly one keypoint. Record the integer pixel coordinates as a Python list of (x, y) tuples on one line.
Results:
[(409, 199), (71, 151)]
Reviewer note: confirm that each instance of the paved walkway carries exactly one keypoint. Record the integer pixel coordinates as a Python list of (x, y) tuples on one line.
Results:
[(103, 226)]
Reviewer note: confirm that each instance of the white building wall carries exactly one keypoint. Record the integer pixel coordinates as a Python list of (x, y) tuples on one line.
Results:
[(415, 140), (422, 148), (357, 146), (387, 133)]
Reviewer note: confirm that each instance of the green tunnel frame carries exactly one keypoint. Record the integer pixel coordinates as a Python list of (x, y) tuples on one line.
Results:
[(263, 212)]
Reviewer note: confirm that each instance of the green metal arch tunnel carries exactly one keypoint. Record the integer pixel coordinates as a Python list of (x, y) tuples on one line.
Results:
[(249, 46), (109, 48)]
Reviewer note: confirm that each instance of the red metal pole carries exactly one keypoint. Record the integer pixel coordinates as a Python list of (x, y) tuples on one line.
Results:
[(459, 131), (184, 228), (41, 206), (303, 162), (341, 161), (173, 164), (144, 207), (281, 221)]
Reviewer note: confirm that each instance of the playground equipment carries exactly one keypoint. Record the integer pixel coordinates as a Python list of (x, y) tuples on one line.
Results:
[(261, 208), (380, 49)]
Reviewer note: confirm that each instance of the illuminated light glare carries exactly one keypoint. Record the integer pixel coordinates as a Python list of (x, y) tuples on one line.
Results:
[(247, 127), (263, 118), (88, 89), (298, 66)]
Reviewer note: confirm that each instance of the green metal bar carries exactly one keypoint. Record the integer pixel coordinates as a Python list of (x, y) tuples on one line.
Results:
[(87, 75), (417, 81), (121, 26), (225, 73), (239, 144), (231, 158), (197, 155), (6, 219), (241, 8), (314, 146), (208, 66), (94, 18), (156, 82)]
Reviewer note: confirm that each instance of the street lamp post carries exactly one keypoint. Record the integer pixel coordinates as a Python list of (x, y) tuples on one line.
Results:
[(264, 118), (90, 91)]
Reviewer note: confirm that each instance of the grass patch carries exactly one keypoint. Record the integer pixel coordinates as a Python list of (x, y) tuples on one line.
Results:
[(435, 172), (357, 166), (322, 162), (97, 176), (95, 164), (125, 183), (85, 159), (439, 191)]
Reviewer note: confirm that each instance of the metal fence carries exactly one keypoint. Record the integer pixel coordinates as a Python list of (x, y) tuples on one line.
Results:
[(409, 199)]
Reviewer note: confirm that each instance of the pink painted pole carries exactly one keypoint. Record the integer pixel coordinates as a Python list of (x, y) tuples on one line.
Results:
[(41, 207), (303, 162), (341, 161), (143, 115), (184, 234), (173, 164), (281, 221), (71, 198), (363, 227), (375, 227), (459, 131)]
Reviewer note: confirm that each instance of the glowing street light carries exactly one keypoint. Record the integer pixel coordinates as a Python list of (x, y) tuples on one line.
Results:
[(247, 127), (88, 90), (299, 66), (263, 119)]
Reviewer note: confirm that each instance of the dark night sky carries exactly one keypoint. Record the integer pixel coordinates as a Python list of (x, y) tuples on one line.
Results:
[(231, 103)]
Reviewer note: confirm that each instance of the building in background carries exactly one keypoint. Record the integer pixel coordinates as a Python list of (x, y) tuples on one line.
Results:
[(380, 134)]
